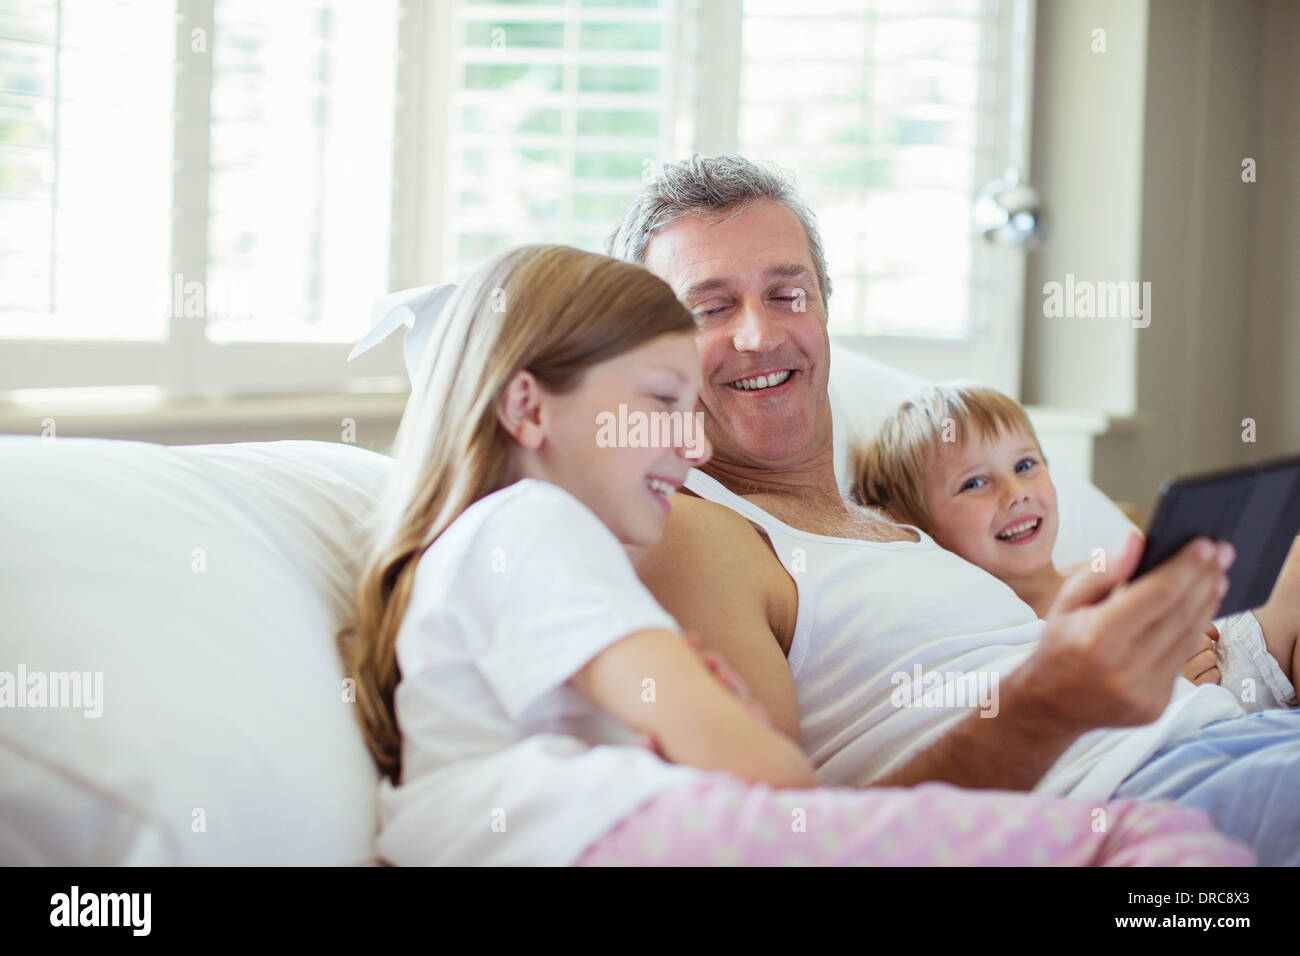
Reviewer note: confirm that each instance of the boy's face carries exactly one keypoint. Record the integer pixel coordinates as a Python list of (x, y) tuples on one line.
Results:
[(992, 502)]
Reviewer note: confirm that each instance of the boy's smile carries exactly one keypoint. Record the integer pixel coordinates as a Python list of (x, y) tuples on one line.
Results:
[(1021, 530)]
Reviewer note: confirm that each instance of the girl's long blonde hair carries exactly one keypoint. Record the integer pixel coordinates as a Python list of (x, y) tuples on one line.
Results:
[(552, 310)]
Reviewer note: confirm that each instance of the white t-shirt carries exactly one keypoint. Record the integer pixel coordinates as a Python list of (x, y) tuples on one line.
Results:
[(503, 762)]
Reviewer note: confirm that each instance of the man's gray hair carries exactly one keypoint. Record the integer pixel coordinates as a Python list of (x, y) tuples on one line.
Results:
[(715, 188)]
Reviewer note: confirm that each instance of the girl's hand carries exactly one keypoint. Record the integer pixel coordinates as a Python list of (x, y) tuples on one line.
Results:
[(1203, 667), (718, 667), (700, 724), (651, 743)]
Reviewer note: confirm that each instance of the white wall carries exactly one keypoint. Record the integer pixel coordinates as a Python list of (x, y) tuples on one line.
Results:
[(1272, 376), (1086, 159), (1139, 152)]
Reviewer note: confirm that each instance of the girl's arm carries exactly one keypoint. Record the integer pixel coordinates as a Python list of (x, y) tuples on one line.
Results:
[(654, 682)]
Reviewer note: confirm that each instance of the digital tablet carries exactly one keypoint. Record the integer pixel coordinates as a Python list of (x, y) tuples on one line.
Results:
[(1257, 508)]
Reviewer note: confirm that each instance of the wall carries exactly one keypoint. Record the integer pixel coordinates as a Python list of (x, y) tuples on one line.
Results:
[(1086, 160), (1272, 376), (1217, 84)]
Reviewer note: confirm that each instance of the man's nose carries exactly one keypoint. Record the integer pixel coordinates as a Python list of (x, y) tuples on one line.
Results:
[(755, 330)]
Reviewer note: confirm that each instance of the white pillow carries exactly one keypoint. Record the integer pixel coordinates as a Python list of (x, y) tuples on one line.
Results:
[(864, 391), (221, 686)]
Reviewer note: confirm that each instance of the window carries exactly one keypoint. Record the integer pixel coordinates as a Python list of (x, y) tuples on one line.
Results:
[(194, 195), (893, 104), (206, 196), (301, 167), (893, 114), (558, 111), (85, 144)]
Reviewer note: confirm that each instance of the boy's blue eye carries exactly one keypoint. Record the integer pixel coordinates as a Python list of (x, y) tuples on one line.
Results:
[(1028, 463), (970, 483)]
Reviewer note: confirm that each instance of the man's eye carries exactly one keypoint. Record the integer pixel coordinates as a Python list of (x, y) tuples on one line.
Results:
[(667, 399), (715, 309)]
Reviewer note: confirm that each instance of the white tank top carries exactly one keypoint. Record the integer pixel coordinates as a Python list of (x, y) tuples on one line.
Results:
[(895, 642)]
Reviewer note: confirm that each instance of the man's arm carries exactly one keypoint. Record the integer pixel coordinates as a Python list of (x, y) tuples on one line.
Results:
[(1109, 655), (715, 575), (1011, 751)]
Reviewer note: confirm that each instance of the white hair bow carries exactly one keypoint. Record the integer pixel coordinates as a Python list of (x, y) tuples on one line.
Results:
[(418, 310)]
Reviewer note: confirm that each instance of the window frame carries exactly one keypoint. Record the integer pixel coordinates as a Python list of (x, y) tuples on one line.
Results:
[(185, 364)]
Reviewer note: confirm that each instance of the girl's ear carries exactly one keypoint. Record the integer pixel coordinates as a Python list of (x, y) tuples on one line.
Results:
[(520, 410)]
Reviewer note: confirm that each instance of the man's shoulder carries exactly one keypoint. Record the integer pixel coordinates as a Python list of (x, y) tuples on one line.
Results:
[(696, 520), (718, 576), (709, 542)]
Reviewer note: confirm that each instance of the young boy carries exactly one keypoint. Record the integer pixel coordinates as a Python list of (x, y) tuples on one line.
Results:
[(962, 463)]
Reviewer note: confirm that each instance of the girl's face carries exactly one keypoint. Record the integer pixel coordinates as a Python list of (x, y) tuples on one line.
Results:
[(992, 502), (623, 441)]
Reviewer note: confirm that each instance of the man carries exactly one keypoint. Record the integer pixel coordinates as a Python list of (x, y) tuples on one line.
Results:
[(819, 605)]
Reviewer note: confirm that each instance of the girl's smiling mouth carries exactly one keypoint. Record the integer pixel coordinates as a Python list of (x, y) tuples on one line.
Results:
[(661, 489)]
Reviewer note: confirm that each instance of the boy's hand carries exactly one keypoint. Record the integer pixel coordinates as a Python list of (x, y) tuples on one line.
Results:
[(1203, 666)]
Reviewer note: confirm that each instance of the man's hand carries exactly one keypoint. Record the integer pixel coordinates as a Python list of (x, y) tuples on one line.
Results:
[(1111, 648)]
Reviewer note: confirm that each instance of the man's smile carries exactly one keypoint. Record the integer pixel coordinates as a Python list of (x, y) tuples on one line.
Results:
[(764, 381)]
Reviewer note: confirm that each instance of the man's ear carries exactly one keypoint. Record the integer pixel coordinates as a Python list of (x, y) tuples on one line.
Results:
[(519, 410)]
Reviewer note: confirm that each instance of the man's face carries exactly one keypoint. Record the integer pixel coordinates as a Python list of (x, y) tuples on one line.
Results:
[(764, 350)]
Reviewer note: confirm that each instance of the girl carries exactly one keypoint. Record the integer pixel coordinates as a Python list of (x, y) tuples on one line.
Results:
[(509, 663)]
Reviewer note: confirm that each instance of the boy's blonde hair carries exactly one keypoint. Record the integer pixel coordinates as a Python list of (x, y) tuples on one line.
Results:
[(889, 470)]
